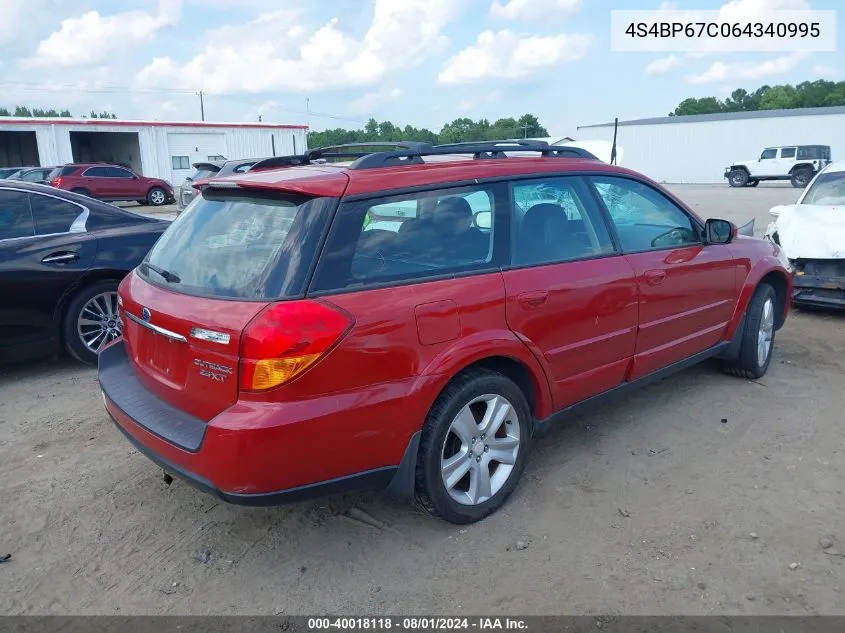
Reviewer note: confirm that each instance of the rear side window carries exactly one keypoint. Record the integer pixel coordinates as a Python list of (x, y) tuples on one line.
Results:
[(409, 237), (787, 152), (556, 221), (58, 172), (15, 216), (244, 246), (52, 215)]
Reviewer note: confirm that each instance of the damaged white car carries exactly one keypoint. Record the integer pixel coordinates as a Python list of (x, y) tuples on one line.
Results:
[(811, 233)]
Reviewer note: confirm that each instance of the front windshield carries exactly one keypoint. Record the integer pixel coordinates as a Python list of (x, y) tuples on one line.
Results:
[(827, 190)]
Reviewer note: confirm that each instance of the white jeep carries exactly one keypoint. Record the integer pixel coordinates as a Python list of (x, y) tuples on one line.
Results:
[(796, 163)]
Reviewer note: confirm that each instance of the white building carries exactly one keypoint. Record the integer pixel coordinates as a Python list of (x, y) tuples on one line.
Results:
[(152, 148), (697, 148)]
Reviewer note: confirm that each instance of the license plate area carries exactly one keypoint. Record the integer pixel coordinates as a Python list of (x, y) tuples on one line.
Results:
[(165, 356)]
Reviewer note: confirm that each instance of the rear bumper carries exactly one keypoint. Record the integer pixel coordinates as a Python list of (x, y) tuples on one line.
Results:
[(239, 457)]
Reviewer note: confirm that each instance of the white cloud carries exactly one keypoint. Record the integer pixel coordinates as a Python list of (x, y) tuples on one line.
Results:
[(824, 71), (506, 55), (272, 53), (739, 10), (90, 39), (662, 65), (371, 101), (737, 71), (534, 9)]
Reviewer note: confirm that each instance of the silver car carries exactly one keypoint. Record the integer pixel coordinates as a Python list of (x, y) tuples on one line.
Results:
[(210, 169)]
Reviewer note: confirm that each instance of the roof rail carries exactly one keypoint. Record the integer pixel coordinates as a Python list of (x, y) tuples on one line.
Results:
[(412, 152), (479, 150)]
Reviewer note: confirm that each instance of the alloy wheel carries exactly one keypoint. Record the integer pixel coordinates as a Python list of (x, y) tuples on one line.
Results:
[(765, 334), (157, 197), (480, 449), (99, 321)]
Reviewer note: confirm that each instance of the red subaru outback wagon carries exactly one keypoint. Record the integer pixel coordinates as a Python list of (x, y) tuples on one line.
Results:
[(411, 320)]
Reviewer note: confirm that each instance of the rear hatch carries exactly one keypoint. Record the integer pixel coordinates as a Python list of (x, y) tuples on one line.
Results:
[(229, 257)]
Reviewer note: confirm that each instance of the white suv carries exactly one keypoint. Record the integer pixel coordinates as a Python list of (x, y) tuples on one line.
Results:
[(796, 163)]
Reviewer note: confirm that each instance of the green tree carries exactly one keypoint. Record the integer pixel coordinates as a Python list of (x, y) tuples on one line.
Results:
[(23, 111), (5, 112), (780, 98), (705, 105)]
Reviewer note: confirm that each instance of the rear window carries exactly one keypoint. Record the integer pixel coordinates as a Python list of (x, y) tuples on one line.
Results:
[(67, 170), (202, 174), (240, 246)]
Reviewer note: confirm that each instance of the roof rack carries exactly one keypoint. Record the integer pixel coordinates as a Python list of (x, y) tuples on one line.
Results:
[(412, 153)]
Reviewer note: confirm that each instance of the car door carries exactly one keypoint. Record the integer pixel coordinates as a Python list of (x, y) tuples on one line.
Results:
[(44, 251), (97, 181), (687, 289), (127, 185), (571, 296), (786, 159), (767, 165)]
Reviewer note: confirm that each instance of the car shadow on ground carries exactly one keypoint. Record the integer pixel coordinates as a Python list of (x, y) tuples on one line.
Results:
[(60, 367)]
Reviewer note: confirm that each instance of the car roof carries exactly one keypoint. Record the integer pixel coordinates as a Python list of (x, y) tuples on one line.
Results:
[(90, 203), (336, 179)]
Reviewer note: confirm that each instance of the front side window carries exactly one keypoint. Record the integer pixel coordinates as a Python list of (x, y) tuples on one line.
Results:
[(15, 216), (557, 221), (644, 218), (52, 215), (409, 237), (827, 190), (787, 152), (181, 162), (768, 154)]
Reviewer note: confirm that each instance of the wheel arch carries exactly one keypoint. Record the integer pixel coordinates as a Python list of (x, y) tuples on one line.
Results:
[(742, 167), (766, 271), (91, 277), (798, 166)]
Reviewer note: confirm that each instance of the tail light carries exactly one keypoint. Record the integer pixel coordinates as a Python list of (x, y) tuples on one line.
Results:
[(56, 182), (287, 338)]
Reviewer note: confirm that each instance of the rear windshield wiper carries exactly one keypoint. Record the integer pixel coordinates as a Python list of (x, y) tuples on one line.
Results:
[(169, 277)]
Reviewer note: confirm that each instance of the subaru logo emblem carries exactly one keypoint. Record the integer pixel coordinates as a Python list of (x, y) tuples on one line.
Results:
[(145, 314)]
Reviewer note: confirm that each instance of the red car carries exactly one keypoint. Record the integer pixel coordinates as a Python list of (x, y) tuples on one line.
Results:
[(111, 183), (279, 344)]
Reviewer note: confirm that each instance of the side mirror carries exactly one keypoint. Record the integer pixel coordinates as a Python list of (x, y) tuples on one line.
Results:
[(719, 231), (483, 219), (189, 179)]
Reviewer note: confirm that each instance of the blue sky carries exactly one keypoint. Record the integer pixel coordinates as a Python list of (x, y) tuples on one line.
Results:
[(418, 62)]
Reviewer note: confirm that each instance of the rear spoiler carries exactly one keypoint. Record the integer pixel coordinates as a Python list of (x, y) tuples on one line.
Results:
[(747, 229)]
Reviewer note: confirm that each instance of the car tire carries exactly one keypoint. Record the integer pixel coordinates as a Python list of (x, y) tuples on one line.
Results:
[(753, 183), (801, 178), (758, 337), (87, 320), (82, 192), (456, 445), (737, 178), (157, 196)]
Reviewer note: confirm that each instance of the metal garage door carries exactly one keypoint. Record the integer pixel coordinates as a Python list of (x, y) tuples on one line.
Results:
[(186, 149)]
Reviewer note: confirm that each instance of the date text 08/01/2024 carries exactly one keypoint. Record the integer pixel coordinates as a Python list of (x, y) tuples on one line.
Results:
[(416, 624)]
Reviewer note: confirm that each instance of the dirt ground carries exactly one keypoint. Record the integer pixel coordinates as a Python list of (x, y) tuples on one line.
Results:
[(699, 494)]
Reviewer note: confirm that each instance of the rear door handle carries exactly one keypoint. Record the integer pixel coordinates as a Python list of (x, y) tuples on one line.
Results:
[(654, 277), (533, 300), (60, 258)]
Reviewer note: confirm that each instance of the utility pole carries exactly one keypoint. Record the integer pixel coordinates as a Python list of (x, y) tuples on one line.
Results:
[(308, 112), (202, 106), (525, 130)]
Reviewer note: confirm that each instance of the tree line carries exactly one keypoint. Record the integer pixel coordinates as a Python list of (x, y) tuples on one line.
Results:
[(807, 94), (24, 111), (461, 130)]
